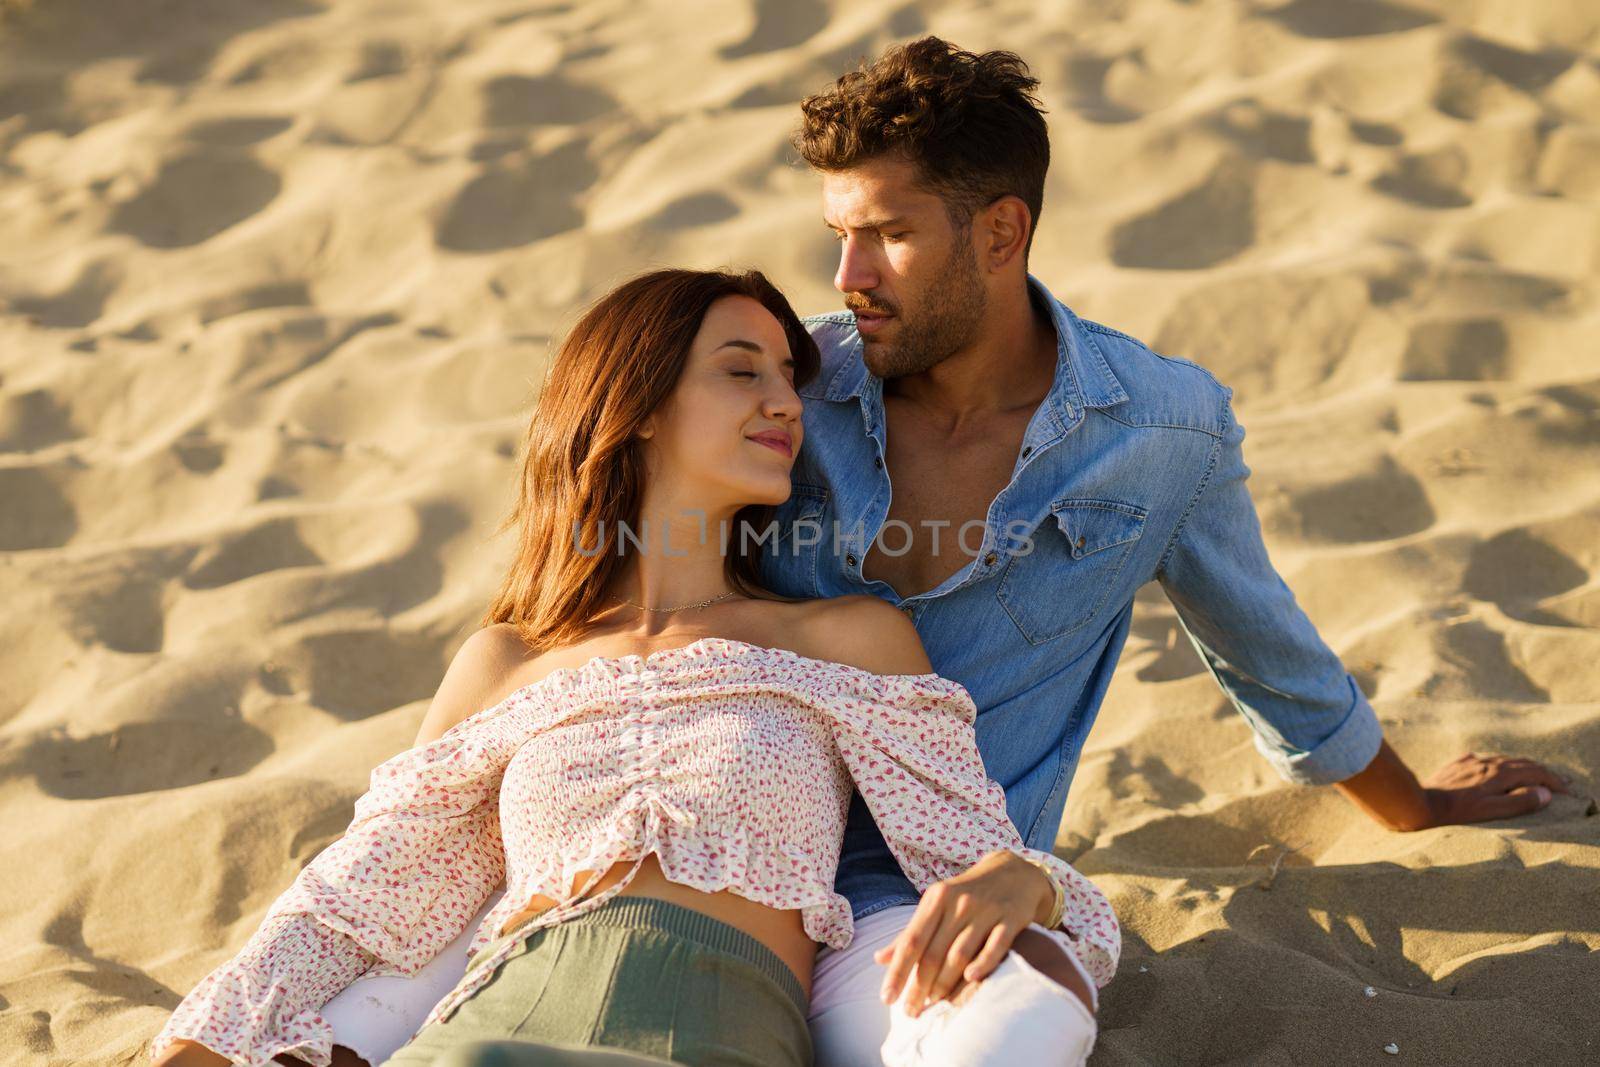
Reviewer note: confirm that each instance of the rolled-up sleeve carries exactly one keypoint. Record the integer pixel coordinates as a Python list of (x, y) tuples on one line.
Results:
[(1310, 719)]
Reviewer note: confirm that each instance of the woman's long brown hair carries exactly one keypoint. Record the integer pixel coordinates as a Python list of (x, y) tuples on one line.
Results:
[(582, 467)]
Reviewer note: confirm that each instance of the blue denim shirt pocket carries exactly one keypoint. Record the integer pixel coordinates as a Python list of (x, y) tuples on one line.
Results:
[(1072, 570)]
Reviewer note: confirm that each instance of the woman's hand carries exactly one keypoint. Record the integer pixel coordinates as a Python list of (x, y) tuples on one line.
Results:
[(963, 928)]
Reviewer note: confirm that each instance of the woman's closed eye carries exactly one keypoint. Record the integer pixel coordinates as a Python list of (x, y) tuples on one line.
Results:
[(754, 374)]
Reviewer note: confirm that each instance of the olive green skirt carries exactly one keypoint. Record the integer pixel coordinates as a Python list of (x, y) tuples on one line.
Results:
[(635, 975)]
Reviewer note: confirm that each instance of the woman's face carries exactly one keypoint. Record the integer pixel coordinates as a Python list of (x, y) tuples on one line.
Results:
[(737, 386)]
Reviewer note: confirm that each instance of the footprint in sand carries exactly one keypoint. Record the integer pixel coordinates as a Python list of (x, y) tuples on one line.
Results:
[(239, 131), (1377, 505), (1428, 179), (1515, 570), (38, 513), (1460, 350), (1348, 18), (1199, 228), (140, 757), (79, 304), (518, 203), (355, 674), (272, 546), (780, 24), (516, 100), (195, 197), (1475, 663), (33, 420)]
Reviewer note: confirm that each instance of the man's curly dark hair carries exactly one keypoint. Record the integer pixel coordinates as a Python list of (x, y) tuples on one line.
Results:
[(968, 121)]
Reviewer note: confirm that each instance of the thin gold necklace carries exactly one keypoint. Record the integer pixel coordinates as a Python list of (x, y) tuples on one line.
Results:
[(680, 607)]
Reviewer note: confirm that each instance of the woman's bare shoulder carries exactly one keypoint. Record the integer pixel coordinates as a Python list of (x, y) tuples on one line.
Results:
[(481, 668), (867, 632)]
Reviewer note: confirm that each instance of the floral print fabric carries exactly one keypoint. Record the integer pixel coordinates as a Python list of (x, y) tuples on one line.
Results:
[(732, 762)]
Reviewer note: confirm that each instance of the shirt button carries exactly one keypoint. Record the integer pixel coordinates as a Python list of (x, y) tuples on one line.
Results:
[(850, 561), (989, 559), (877, 461), (1025, 451)]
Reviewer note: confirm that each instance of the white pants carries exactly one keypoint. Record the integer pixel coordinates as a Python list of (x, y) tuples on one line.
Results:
[(1017, 1015)]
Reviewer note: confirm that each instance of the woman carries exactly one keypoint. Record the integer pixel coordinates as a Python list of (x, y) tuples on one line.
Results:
[(665, 813)]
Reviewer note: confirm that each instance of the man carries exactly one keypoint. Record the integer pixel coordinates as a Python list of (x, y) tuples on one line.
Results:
[(958, 396)]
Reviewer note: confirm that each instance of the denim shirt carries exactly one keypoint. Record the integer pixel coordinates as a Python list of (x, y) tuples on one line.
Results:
[(1130, 471)]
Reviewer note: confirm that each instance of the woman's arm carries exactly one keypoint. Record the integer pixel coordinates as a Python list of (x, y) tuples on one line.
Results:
[(419, 858), (263, 1001), (907, 736), (422, 853)]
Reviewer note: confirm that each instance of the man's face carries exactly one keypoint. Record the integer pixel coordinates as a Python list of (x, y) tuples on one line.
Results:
[(911, 277)]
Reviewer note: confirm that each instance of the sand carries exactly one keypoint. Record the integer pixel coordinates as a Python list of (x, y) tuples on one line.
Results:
[(278, 281)]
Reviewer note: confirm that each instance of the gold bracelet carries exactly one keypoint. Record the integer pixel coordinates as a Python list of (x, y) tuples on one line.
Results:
[(1058, 909)]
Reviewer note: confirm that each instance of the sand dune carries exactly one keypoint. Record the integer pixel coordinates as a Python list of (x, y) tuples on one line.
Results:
[(278, 280)]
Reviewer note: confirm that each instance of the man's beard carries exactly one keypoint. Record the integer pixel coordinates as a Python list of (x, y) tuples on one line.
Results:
[(947, 321)]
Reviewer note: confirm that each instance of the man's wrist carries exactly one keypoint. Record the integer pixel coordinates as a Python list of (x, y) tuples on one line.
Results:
[(1388, 792), (1438, 804)]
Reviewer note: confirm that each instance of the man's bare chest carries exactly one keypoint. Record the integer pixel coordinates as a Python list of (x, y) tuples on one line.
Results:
[(939, 501)]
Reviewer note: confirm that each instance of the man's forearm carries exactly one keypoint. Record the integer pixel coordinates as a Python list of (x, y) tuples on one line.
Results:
[(1390, 793)]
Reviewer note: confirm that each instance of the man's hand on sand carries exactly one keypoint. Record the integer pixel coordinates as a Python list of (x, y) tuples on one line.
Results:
[(1470, 788), (1474, 788)]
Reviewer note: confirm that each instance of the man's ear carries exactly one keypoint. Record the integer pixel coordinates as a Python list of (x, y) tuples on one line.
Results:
[(1004, 225)]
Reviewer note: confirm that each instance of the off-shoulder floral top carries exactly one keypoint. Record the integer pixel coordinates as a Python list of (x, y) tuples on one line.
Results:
[(732, 762)]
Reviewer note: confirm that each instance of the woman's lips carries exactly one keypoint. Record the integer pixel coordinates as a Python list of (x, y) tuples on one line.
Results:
[(868, 323), (776, 446)]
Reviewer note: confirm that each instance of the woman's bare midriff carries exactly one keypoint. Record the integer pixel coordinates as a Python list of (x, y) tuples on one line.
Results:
[(780, 930)]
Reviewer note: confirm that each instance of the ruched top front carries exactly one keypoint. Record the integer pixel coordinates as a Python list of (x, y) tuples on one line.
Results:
[(731, 762)]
